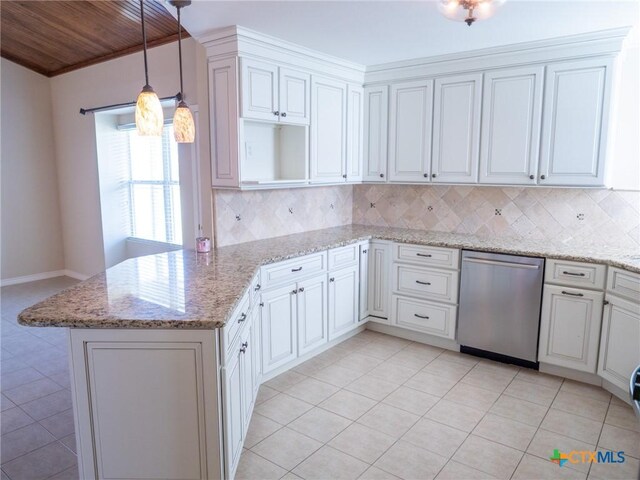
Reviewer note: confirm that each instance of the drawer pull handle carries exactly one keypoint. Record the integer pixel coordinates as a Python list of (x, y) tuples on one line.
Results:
[(257, 287), (296, 269), (573, 294), (423, 283), (573, 274), (242, 318), (424, 255), (421, 316)]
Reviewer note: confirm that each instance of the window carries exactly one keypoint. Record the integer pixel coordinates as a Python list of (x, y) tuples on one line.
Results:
[(154, 187)]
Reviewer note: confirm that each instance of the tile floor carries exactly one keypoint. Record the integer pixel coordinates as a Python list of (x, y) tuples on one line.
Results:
[(37, 439), (379, 407), (372, 407)]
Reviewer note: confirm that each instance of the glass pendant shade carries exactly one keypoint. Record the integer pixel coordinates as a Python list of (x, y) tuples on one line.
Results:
[(184, 130), (149, 116)]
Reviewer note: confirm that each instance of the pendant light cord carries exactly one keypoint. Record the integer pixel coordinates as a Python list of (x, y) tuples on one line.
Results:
[(144, 42), (180, 52)]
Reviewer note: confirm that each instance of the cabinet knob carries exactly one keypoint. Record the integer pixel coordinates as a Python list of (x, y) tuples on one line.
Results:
[(365, 251), (606, 302), (543, 177), (283, 114), (301, 289), (433, 175), (243, 347), (332, 279), (531, 177), (276, 113), (344, 176), (425, 175), (382, 175), (261, 304), (294, 292)]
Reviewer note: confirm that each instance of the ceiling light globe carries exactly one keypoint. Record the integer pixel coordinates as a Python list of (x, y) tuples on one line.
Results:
[(184, 129), (149, 116)]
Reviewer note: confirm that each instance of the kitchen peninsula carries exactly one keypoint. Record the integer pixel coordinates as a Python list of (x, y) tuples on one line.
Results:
[(168, 351)]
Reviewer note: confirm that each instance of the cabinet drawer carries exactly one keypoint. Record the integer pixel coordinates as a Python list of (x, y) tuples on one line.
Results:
[(576, 274), (423, 255), (426, 283), (432, 318), (291, 270), (231, 331), (623, 283), (343, 256), (254, 289)]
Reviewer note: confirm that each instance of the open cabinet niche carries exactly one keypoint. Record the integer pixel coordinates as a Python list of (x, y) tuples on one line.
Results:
[(274, 153)]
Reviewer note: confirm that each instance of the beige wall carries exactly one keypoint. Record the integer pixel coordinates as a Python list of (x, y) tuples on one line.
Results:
[(31, 232), (115, 81)]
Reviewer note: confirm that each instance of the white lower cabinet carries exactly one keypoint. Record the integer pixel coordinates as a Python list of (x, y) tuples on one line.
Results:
[(570, 327), (234, 412), (312, 304), (364, 280), (620, 341), (378, 279), (279, 327), (256, 356), (343, 300)]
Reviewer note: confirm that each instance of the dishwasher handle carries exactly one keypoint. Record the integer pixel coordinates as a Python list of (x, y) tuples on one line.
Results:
[(501, 263)]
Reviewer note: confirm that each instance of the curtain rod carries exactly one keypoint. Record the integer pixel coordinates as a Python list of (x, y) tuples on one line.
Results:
[(84, 111)]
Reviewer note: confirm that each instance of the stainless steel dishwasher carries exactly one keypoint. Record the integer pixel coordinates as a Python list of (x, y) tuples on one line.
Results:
[(499, 313)]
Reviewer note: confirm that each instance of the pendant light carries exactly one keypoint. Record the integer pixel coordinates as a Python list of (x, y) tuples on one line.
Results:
[(184, 129), (468, 11), (149, 117)]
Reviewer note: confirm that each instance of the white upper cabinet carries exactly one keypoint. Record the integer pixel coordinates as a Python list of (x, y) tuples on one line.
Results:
[(295, 97), (410, 131), (576, 115), (259, 90), (328, 130), (355, 132), (376, 114), (274, 94), (511, 116), (456, 128)]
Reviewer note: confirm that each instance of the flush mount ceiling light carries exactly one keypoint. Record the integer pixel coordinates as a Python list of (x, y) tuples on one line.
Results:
[(184, 129), (469, 11), (149, 118)]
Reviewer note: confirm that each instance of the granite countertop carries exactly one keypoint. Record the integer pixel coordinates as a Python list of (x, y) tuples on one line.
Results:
[(183, 289)]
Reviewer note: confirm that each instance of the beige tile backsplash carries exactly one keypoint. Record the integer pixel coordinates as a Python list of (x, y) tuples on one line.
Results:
[(268, 213), (574, 216)]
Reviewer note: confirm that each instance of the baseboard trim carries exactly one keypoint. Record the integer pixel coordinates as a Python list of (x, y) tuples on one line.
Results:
[(420, 337), (5, 282)]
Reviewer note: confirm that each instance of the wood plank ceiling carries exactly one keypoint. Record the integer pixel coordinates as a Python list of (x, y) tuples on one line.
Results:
[(53, 37)]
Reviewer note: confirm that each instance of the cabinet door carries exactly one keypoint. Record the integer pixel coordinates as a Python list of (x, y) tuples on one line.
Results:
[(620, 341), (256, 356), (312, 313), (511, 116), (279, 329), (364, 281), (410, 131), (570, 327), (328, 130), (379, 280), (259, 90), (376, 114), (295, 97), (248, 376), (456, 128), (355, 132), (233, 414), (576, 115), (343, 301), (223, 112)]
